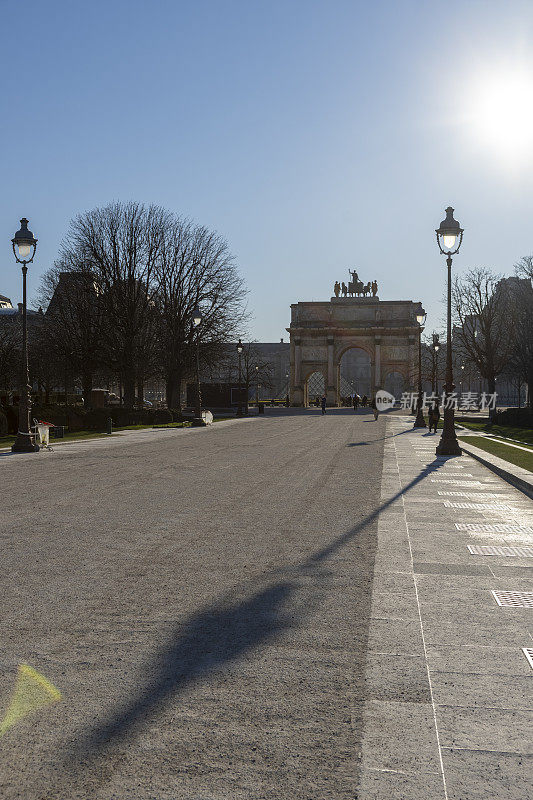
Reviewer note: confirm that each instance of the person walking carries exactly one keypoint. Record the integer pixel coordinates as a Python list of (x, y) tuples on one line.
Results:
[(373, 406), (355, 402), (323, 404), (364, 401), (433, 417)]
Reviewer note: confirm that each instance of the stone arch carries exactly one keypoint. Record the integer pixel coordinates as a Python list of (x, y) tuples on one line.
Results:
[(314, 384), (354, 371)]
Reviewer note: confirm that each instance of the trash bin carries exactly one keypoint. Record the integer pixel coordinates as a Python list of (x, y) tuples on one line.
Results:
[(58, 432), (109, 425)]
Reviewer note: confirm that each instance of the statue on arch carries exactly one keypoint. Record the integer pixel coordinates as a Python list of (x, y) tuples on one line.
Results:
[(355, 276), (374, 288), (337, 288), (344, 290)]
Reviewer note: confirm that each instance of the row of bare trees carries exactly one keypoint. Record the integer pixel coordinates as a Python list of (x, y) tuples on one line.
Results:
[(494, 324), (492, 333), (121, 296)]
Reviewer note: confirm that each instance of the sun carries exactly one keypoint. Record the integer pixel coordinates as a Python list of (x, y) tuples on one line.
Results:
[(499, 111)]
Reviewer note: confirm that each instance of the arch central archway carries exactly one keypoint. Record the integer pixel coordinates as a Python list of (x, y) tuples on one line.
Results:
[(355, 373)]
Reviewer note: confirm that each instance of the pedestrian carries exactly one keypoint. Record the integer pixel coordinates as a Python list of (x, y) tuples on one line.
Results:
[(364, 401), (323, 403), (373, 406), (433, 417), (355, 402)]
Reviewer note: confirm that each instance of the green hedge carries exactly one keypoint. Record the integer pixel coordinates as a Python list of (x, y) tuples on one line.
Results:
[(519, 417)]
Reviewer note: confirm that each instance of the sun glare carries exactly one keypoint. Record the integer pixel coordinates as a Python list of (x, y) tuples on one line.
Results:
[(499, 112)]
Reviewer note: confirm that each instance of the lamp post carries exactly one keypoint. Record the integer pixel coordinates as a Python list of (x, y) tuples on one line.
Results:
[(420, 422), (257, 386), (239, 352), (24, 245), (196, 321), (449, 239), (436, 346)]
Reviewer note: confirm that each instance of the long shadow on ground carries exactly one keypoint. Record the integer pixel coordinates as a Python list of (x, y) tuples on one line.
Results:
[(223, 632)]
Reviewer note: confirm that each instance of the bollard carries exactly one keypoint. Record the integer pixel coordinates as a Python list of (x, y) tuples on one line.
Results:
[(109, 425)]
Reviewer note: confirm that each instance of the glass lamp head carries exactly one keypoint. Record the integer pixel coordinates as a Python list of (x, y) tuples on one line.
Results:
[(196, 317), (449, 234), (239, 347), (24, 242), (420, 315)]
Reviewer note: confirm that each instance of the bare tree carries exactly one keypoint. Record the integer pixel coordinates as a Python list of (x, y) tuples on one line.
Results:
[(121, 243), (524, 267), (520, 366), (482, 310), (72, 332), (195, 269), (9, 354)]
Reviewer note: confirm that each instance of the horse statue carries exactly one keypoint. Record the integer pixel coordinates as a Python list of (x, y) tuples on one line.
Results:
[(355, 288)]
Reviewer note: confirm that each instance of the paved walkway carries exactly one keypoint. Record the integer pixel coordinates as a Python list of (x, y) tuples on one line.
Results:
[(282, 607), (453, 719)]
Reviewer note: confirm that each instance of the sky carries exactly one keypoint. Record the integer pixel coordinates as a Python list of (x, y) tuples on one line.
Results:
[(314, 136)]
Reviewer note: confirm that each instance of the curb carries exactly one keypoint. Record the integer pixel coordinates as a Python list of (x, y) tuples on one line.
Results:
[(523, 483)]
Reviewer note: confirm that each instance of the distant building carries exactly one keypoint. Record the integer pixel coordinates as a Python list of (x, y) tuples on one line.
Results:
[(5, 302)]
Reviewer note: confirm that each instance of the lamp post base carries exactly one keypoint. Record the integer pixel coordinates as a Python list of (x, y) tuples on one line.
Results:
[(25, 444), (419, 422), (448, 445)]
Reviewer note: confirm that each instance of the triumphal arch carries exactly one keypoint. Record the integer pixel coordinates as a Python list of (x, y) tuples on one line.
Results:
[(383, 335)]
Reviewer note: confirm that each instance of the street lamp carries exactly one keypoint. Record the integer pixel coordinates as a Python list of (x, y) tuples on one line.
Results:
[(24, 246), (239, 352), (449, 239), (420, 422), (257, 386), (436, 346), (196, 321)]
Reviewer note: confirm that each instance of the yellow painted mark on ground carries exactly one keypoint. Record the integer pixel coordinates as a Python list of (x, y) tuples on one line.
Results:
[(32, 691)]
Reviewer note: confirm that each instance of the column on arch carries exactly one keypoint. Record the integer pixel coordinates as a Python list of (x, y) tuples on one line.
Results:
[(297, 395), (377, 365), (331, 387)]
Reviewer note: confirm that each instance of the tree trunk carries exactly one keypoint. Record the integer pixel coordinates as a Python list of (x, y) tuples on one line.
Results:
[(129, 387), (140, 390), (173, 390), (87, 386)]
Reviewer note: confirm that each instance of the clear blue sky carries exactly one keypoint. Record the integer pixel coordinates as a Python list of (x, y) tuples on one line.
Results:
[(315, 136)]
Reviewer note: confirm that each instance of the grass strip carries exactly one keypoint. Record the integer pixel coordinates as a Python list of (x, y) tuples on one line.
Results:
[(520, 458), (523, 435)]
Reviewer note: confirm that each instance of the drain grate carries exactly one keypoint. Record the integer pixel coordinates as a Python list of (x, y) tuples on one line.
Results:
[(474, 495), (513, 599), (480, 527), (455, 483), (457, 474), (528, 652), (478, 506), (486, 550)]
